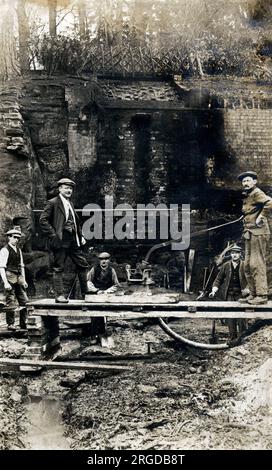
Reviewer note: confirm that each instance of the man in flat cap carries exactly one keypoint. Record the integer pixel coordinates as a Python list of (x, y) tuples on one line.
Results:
[(102, 279), (12, 272), (231, 283), (256, 233), (60, 223)]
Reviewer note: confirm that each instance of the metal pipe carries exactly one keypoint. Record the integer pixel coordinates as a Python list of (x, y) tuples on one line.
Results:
[(189, 342)]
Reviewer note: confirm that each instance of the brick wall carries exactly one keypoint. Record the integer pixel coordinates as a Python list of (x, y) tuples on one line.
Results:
[(248, 140)]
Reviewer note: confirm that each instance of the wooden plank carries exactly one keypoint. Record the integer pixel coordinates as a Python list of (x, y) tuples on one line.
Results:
[(150, 302), (129, 315), (62, 365)]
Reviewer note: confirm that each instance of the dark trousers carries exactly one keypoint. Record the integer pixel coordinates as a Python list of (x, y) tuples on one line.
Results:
[(69, 248), (17, 293), (233, 323)]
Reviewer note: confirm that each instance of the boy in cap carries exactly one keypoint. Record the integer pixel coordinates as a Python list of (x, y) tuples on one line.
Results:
[(12, 272), (256, 233), (231, 281), (60, 223)]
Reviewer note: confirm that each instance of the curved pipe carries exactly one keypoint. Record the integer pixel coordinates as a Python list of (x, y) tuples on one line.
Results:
[(189, 342)]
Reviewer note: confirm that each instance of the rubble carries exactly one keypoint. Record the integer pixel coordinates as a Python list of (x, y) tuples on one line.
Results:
[(185, 399)]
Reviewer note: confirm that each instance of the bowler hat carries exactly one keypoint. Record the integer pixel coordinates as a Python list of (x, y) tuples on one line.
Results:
[(243, 175), (66, 181), (104, 255)]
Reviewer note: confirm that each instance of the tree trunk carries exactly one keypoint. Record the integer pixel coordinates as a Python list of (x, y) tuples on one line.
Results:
[(52, 4), (82, 18), (23, 36), (9, 67)]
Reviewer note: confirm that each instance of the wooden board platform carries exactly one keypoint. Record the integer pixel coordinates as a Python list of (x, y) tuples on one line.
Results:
[(140, 308)]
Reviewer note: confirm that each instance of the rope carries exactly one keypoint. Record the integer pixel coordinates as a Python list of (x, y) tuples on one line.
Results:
[(193, 235)]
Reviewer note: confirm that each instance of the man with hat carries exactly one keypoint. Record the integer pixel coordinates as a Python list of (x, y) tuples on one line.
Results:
[(60, 223), (102, 279), (12, 272), (256, 233), (231, 281)]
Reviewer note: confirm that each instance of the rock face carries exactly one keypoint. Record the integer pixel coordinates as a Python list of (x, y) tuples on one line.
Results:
[(16, 160)]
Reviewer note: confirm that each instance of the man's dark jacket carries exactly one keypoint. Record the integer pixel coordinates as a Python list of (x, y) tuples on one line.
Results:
[(53, 220), (223, 278)]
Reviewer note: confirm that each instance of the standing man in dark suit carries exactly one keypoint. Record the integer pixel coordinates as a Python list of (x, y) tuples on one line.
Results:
[(231, 283), (59, 222)]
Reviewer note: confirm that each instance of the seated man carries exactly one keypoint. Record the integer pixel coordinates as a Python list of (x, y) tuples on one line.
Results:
[(231, 283), (101, 279)]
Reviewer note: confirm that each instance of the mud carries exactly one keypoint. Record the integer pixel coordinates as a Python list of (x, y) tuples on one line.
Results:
[(175, 398)]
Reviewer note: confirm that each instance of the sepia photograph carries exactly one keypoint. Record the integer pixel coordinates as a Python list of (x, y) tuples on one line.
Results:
[(135, 228)]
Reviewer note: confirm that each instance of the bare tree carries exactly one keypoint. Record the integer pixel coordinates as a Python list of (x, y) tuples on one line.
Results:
[(24, 35), (52, 5), (8, 58), (82, 18)]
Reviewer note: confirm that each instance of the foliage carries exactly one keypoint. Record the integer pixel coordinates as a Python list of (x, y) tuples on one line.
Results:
[(191, 37), (64, 54)]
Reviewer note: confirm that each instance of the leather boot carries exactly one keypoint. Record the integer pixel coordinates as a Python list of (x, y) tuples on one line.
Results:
[(10, 318), (58, 288), (82, 277), (23, 315)]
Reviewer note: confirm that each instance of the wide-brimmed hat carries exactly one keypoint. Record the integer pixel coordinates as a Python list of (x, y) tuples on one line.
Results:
[(243, 175), (104, 255), (66, 181), (14, 231)]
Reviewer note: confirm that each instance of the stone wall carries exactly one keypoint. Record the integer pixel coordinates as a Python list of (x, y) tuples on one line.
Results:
[(17, 162)]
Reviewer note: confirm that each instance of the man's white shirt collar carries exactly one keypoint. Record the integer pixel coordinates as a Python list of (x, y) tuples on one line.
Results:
[(13, 247)]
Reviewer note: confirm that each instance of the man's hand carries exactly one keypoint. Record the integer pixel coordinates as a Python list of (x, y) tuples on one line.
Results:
[(25, 285), (245, 292), (260, 221), (213, 292), (110, 290), (7, 286), (83, 241)]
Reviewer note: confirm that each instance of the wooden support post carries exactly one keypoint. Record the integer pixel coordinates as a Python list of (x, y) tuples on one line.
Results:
[(190, 269), (185, 279)]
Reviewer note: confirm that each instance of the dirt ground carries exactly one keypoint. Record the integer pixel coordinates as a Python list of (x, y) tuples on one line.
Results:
[(174, 398)]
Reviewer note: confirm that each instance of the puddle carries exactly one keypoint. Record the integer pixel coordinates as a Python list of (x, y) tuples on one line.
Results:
[(45, 428)]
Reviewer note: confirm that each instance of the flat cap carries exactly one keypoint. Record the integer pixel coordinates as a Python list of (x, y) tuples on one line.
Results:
[(104, 255), (14, 231), (66, 181), (235, 248), (243, 175)]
